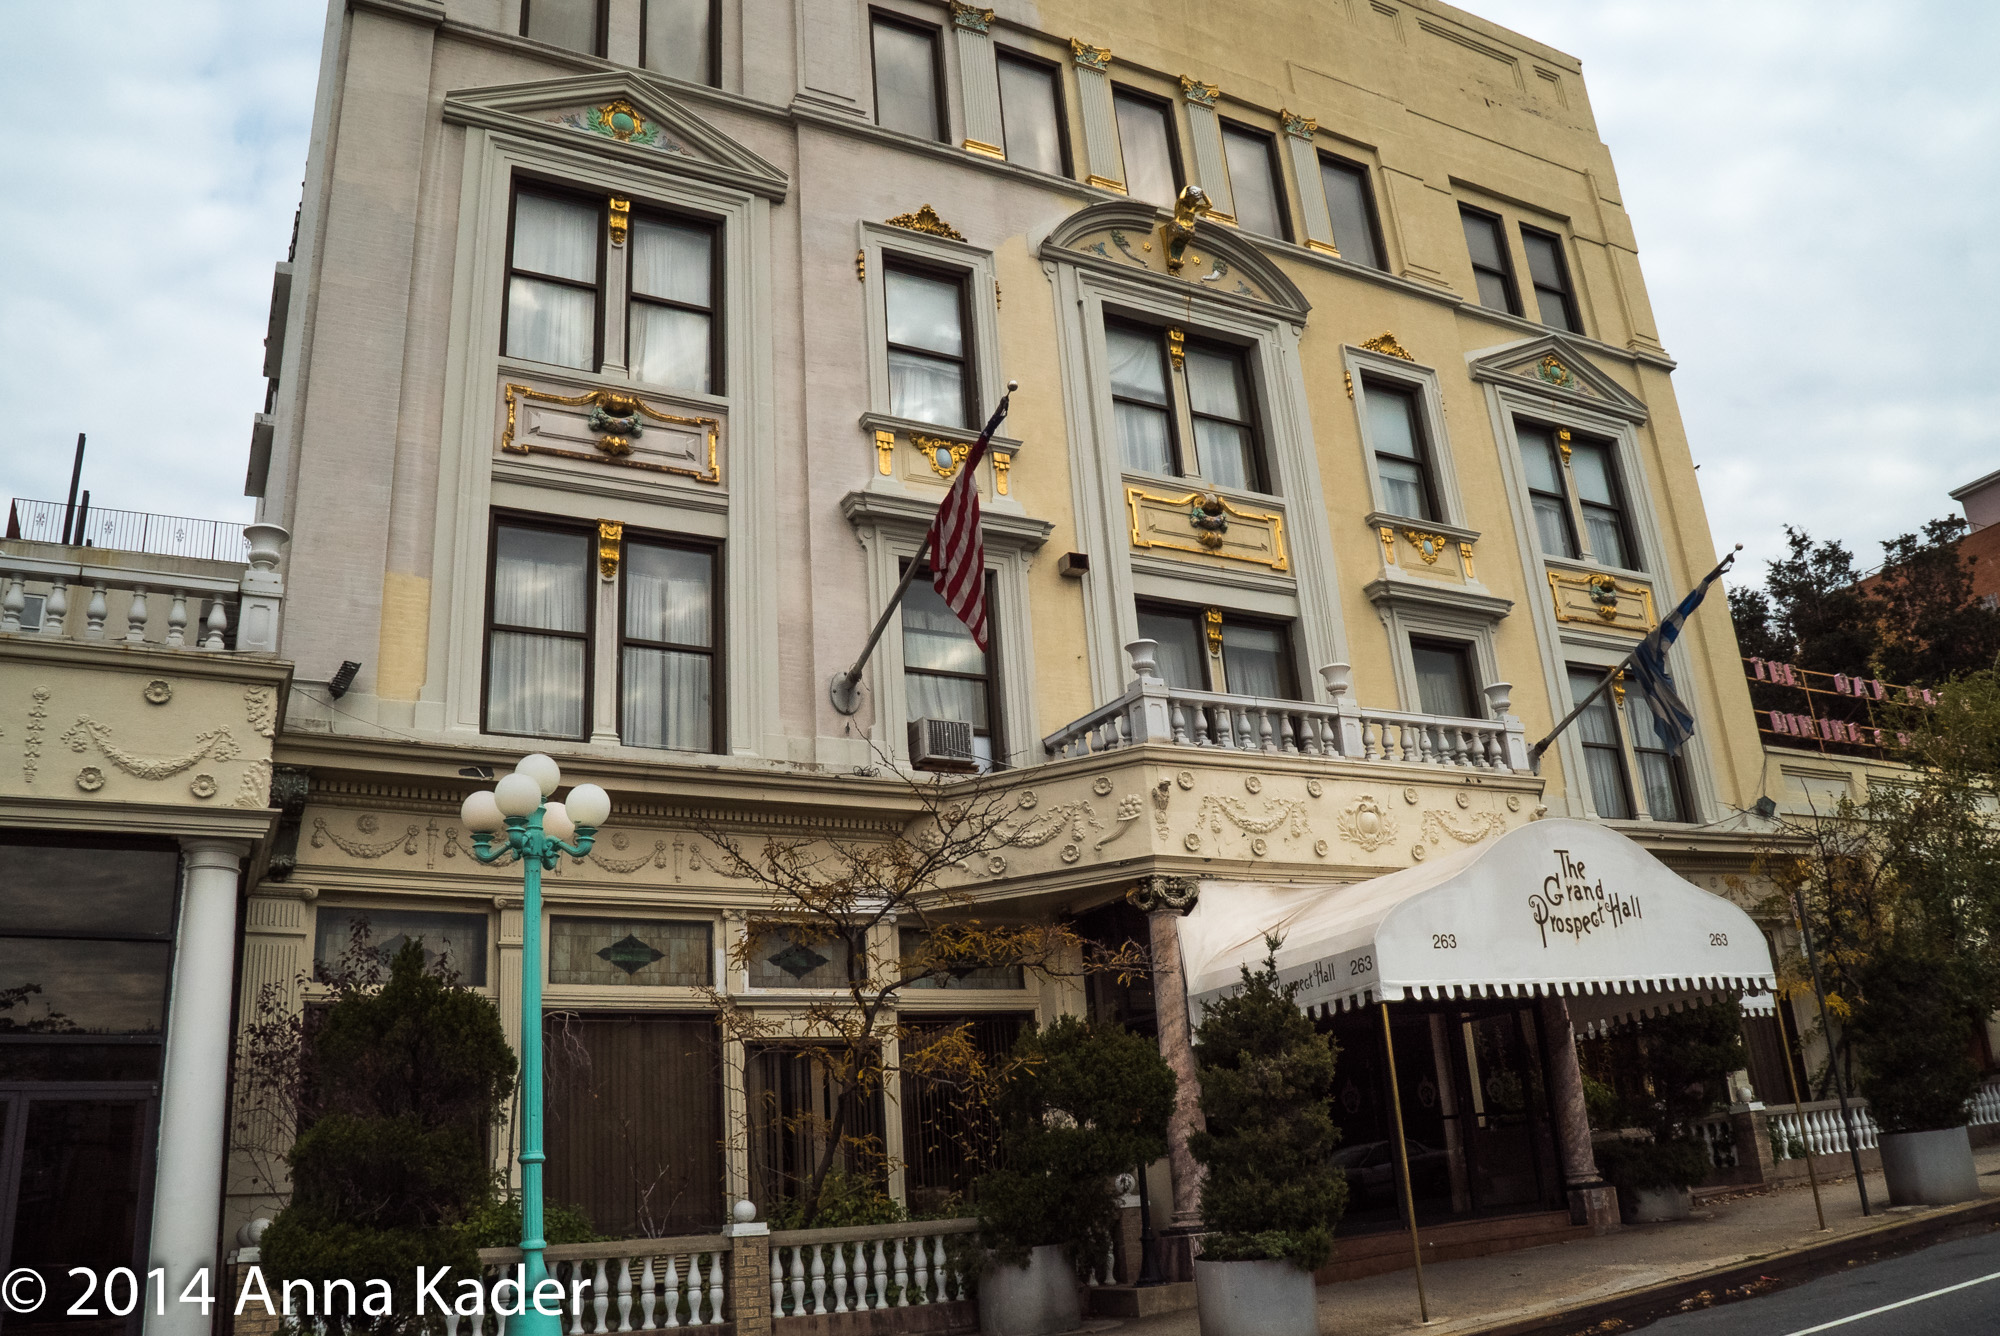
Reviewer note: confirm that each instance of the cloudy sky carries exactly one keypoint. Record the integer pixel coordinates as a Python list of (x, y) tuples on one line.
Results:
[(1815, 186)]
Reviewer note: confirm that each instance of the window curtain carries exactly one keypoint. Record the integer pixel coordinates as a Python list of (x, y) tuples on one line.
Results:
[(1029, 116), (1144, 442), (678, 40), (1215, 390), (553, 322), (1180, 649), (1149, 160), (535, 683), (1253, 661), (1590, 463), (1442, 687), (1603, 749), (923, 317), (1545, 482), (671, 346), (1657, 770), (1252, 182), (668, 693), (1392, 428)]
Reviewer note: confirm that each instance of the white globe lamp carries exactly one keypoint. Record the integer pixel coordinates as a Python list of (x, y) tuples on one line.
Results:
[(589, 806), (541, 768)]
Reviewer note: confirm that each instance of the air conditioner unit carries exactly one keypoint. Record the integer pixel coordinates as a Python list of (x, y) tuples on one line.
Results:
[(942, 744)]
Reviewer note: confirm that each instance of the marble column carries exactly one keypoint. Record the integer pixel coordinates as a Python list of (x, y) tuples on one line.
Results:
[(1591, 1201), (194, 1085), (1164, 900)]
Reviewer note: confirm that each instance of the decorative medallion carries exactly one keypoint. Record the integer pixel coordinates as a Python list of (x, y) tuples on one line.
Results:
[(1385, 343), (630, 954), (158, 691), (1363, 822), (90, 779), (203, 786), (610, 541), (943, 456), (616, 417), (1315, 788), (1070, 853), (1209, 519), (1026, 802), (620, 120), (1258, 846), (1253, 784), (1513, 802), (1430, 546), (798, 961), (1417, 852), (1185, 779), (1102, 787), (1320, 847), (1192, 841), (1464, 799), (1088, 56), (1410, 795), (1298, 127), (1604, 593), (1197, 92), (1556, 374), (971, 17), (925, 219), (1427, 1093)]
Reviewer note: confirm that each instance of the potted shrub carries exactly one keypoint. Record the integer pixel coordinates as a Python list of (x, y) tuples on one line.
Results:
[(1655, 1178), (1678, 1066), (1271, 1194), (1081, 1105), (1910, 1038)]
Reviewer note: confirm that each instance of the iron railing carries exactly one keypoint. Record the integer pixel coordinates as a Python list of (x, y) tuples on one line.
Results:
[(129, 531)]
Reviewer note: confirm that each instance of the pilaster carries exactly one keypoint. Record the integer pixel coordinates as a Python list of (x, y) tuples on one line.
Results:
[(1299, 132), (1211, 165), (979, 78), (1105, 161)]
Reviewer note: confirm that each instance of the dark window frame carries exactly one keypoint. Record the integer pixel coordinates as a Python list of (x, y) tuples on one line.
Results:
[(1174, 406), (598, 33), (1197, 616), (717, 308), (1466, 652), (1620, 749), (548, 524), (1620, 509), (532, 185), (996, 722), (716, 650), (968, 361), (1165, 106), (714, 57), (1567, 292), (1426, 458), (1003, 54), (1506, 271), (1181, 414), (1379, 259), (1563, 497), (931, 33), (1269, 142)]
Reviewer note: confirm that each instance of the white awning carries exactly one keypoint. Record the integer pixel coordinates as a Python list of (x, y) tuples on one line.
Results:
[(1556, 906)]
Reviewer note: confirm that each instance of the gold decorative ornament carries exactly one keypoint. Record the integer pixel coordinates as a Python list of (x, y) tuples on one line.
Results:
[(1465, 558), (610, 541), (1212, 619), (1210, 522), (926, 220), (622, 121), (1562, 442), (1192, 205), (1105, 183), (1298, 127), (1090, 57), (1197, 92), (1604, 593), (860, 266), (1001, 464), (1230, 519), (1618, 687), (942, 455), (1603, 598), (619, 220), (1324, 247), (1385, 343), (971, 17), (1388, 544), (613, 405), (885, 452), (996, 296), (985, 149), (1348, 378), (1555, 373), (1430, 546), (1177, 348)]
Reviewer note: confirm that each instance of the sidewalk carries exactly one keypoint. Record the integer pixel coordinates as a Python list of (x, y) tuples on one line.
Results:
[(1484, 1291)]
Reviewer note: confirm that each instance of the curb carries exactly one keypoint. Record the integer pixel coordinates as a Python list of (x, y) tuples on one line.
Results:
[(1651, 1302)]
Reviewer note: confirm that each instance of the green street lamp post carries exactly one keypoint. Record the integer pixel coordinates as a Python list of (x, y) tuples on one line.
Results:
[(539, 832)]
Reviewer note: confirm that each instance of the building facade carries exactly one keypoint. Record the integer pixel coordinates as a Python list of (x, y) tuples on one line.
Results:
[(627, 347)]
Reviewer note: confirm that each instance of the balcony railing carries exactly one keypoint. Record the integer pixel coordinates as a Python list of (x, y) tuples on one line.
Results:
[(128, 531), (1150, 711)]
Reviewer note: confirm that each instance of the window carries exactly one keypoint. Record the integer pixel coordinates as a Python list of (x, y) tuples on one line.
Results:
[(793, 1096), (630, 953), (1447, 683), (1603, 750), (1662, 777), (1146, 139), (1204, 649), (945, 673), (576, 24), (911, 942), (679, 38), (1211, 395), (1599, 495), (361, 938), (1549, 272), (1490, 266), (554, 265), (1351, 203), (1253, 181), (539, 615), (667, 661), (1031, 113), (542, 631), (672, 316), (787, 959), (1546, 491), (908, 79), (929, 372), (1401, 460)]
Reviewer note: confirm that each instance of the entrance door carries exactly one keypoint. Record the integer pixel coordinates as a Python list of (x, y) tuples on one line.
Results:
[(1511, 1156), (75, 1169)]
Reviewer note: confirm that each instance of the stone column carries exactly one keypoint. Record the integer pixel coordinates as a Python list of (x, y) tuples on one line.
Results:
[(194, 1085), (1591, 1201), (1164, 901)]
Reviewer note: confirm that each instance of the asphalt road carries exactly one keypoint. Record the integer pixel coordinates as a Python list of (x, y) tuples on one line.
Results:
[(1948, 1289)]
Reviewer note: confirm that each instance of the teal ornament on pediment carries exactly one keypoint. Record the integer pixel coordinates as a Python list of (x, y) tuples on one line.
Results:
[(620, 120)]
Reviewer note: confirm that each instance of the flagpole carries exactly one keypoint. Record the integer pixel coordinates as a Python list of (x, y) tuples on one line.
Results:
[(845, 688), (1535, 752)]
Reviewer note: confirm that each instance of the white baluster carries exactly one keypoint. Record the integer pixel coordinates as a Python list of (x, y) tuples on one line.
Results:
[(673, 1287), (799, 1308), (940, 1277), (624, 1294), (450, 1323), (922, 1276), (135, 616), (56, 610), (1110, 1263), (902, 1277), (647, 1281), (840, 1278), (13, 599), (93, 614), (576, 1314), (819, 1278), (600, 1301), (777, 1284), (177, 619), (881, 1275), (218, 623), (715, 1287)]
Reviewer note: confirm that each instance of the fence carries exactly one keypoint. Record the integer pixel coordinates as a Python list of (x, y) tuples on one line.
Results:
[(129, 531), (1816, 1128)]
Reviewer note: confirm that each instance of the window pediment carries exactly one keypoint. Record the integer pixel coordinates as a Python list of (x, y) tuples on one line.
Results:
[(622, 115), (1556, 368), (1123, 237)]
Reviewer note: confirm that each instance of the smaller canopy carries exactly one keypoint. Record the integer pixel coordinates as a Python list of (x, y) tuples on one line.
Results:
[(1556, 906)]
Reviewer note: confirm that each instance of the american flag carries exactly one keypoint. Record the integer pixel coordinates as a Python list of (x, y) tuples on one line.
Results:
[(958, 553)]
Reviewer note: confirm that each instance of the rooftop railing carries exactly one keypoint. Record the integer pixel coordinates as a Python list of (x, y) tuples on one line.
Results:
[(127, 531)]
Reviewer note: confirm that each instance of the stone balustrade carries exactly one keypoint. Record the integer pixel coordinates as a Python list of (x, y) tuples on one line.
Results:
[(864, 1267)]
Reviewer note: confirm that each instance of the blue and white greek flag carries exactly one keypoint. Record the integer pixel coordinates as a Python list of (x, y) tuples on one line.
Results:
[(1672, 720)]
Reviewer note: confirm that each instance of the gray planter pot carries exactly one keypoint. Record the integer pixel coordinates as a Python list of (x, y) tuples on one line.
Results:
[(1255, 1299), (1929, 1168), (1033, 1300), (1648, 1206)]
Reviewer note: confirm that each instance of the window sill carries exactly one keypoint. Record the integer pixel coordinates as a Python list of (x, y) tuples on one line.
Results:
[(1197, 483), (1577, 566), (1457, 533), (521, 366)]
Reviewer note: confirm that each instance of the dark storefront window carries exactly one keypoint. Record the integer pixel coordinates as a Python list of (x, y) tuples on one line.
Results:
[(946, 1145)]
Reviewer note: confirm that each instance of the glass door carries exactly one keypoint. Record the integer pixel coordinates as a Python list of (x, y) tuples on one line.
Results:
[(1510, 1158)]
